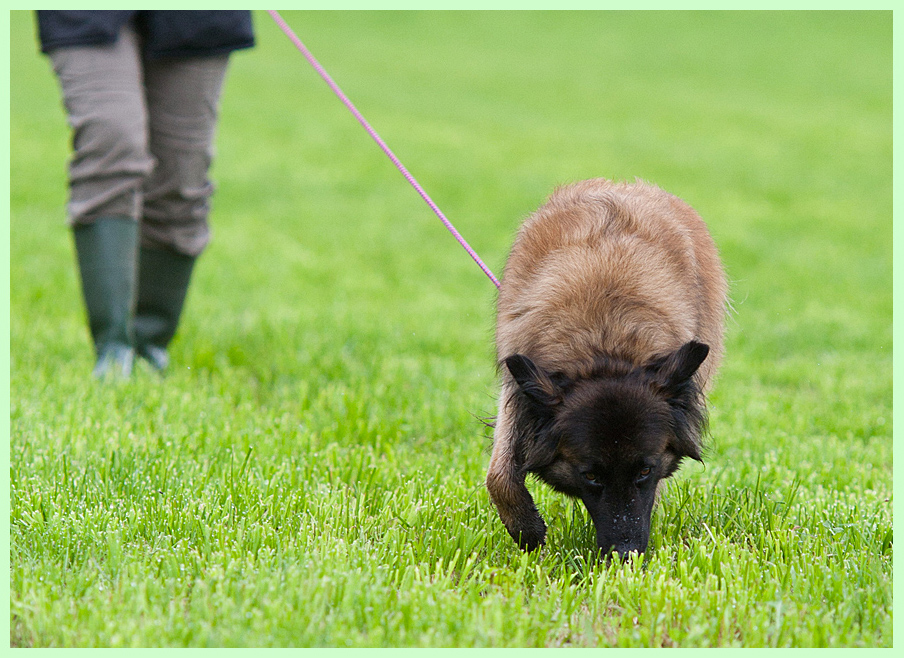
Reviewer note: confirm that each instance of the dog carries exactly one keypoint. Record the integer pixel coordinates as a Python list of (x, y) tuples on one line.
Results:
[(609, 331)]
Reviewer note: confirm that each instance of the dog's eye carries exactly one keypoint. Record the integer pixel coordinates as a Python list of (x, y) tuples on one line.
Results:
[(590, 477), (643, 474)]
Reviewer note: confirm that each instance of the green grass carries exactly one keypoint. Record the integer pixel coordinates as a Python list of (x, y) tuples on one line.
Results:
[(310, 473)]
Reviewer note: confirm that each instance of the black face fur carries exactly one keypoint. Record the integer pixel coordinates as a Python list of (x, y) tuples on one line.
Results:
[(608, 438)]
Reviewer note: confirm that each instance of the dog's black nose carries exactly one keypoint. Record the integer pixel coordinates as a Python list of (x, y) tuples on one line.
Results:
[(621, 550)]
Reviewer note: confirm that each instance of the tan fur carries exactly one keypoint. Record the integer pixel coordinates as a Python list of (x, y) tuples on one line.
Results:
[(624, 269)]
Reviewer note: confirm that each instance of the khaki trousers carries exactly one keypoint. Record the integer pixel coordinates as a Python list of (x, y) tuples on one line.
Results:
[(142, 137)]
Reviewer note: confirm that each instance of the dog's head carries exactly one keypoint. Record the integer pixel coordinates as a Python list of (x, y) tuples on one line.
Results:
[(610, 437)]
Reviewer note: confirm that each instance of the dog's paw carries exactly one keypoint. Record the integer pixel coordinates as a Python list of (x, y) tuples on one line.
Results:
[(530, 534)]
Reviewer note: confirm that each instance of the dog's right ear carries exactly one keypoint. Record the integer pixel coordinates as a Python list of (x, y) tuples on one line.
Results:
[(534, 382)]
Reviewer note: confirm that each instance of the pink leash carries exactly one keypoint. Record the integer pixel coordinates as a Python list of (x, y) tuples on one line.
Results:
[(373, 133)]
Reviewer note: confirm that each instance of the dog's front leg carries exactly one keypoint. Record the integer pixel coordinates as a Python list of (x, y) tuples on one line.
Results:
[(506, 482)]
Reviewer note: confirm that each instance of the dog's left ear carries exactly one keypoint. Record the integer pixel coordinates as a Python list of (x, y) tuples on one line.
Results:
[(675, 371), (675, 374)]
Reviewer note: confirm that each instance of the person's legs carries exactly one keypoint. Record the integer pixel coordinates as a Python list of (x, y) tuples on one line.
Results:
[(182, 97), (104, 98)]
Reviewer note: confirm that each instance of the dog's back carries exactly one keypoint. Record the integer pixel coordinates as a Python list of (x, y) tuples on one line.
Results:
[(626, 270)]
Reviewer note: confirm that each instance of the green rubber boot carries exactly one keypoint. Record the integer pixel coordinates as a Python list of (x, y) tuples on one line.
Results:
[(107, 253), (163, 278)]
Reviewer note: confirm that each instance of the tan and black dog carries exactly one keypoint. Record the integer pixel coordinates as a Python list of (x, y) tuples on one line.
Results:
[(609, 330)]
